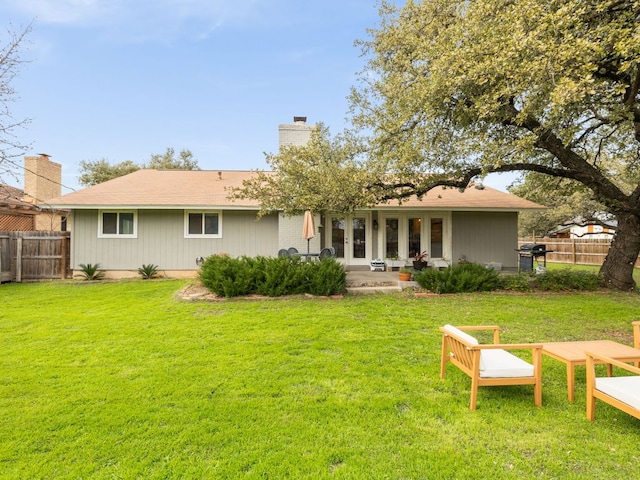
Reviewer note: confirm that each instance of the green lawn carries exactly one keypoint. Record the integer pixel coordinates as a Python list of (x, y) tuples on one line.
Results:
[(587, 268), (123, 380)]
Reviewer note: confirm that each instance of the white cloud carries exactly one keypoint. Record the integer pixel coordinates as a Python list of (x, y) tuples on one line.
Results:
[(144, 19)]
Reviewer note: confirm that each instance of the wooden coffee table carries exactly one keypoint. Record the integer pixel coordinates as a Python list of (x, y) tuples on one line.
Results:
[(573, 353)]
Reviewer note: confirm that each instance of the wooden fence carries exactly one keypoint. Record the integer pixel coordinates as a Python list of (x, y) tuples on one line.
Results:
[(34, 256), (574, 250)]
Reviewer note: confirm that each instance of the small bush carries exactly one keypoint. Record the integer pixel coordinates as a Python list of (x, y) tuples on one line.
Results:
[(567, 279), (522, 282), (91, 271), (327, 277), (226, 276), (282, 276), (148, 271), (269, 276), (460, 278)]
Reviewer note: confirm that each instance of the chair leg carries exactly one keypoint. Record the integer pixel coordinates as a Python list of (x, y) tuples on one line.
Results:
[(537, 394), (591, 407), (474, 394), (444, 357)]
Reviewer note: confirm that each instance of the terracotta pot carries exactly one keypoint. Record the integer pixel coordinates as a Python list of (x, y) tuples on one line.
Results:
[(404, 277)]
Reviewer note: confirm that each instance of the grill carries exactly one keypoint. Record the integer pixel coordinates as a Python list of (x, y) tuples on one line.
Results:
[(528, 252)]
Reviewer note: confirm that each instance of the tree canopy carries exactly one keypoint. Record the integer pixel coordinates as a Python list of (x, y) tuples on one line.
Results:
[(454, 90), (99, 171)]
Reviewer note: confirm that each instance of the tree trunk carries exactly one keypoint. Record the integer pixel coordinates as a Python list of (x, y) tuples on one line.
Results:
[(617, 269)]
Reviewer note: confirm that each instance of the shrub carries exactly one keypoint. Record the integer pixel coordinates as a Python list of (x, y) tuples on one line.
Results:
[(226, 276), (460, 278), (282, 276), (287, 275), (91, 271), (522, 282), (567, 279), (327, 277), (148, 271)]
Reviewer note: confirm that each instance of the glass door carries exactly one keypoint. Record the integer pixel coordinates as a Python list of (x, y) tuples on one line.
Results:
[(350, 238)]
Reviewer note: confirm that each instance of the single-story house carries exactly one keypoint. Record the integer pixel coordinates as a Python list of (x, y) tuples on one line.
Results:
[(172, 218)]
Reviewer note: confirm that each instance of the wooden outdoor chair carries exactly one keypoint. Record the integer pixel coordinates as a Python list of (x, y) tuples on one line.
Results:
[(621, 392), (490, 364)]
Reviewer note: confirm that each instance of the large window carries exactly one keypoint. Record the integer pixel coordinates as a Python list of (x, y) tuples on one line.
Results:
[(117, 224), (203, 224)]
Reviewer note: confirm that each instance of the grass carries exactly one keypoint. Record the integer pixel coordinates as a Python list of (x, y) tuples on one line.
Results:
[(587, 268), (122, 380)]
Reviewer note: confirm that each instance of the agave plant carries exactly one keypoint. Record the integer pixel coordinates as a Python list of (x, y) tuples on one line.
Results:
[(148, 271), (91, 271)]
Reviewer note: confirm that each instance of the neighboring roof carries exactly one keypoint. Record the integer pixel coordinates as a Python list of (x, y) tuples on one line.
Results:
[(210, 189), (11, 200)]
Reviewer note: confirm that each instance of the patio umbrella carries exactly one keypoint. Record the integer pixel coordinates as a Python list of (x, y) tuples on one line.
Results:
[(308, 228)]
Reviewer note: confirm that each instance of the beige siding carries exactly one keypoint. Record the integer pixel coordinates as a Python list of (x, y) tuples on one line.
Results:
[(161, 240), (486, 237)]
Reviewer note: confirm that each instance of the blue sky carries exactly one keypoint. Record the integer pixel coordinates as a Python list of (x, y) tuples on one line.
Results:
[(125, 79)]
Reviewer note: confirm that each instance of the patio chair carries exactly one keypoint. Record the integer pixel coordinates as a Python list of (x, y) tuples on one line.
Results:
[(325, 253), (292, 250), (621, 392), (490, 364), (283, 252)]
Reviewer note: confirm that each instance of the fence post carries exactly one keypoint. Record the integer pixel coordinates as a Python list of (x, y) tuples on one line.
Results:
[(19, 260), (63, 257), (573, 251)]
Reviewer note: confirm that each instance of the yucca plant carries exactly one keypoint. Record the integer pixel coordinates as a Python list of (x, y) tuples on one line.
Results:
[(148, 271), (91, 271)]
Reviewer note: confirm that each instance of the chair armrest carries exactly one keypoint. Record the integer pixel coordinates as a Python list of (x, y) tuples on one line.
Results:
[(495, 328), (611, 361), (508, 346)]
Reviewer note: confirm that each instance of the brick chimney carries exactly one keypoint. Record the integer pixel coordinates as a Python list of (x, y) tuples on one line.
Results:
[(296, 134), (42, 179)]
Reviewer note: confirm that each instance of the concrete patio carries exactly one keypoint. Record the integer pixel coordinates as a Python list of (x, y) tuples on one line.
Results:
[(366, 281)]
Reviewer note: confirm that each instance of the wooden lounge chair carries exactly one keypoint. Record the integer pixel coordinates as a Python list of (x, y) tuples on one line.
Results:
[(490, 364), (622, 392)]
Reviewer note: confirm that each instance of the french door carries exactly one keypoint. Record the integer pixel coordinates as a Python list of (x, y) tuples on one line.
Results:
[(350, 236), (405, 235)]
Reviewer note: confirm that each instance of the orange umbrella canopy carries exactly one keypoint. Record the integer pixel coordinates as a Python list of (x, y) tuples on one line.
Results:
[(308, 227)]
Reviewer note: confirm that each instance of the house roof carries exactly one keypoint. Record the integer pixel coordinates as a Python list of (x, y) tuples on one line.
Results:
[(163, 189), (11, 201)]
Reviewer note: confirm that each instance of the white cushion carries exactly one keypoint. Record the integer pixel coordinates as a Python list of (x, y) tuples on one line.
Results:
[(459, 333), (625, 389), (502, 364)]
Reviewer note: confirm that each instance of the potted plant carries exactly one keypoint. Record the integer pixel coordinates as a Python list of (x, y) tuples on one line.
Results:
[(420, 260), (404, 275)]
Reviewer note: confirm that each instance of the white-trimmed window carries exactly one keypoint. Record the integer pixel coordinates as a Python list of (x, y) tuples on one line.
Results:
[(201, 224), (117, 224)]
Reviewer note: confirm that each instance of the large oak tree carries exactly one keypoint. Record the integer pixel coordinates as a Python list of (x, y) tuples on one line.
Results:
[(465, 88)]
